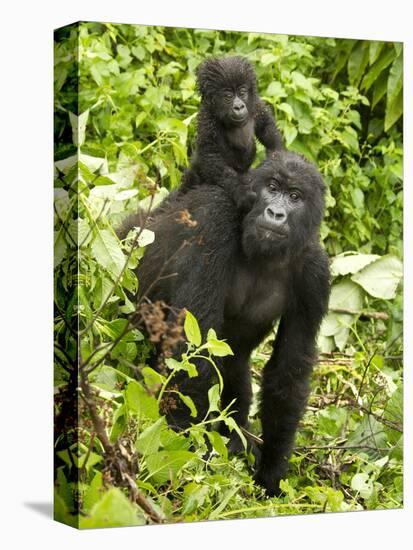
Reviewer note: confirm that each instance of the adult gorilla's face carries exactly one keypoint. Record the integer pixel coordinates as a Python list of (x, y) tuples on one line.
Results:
[(288, 210)]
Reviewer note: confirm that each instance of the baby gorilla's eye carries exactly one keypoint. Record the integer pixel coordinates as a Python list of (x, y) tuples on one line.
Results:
[(228, 95), (294, 196), (242, 92)]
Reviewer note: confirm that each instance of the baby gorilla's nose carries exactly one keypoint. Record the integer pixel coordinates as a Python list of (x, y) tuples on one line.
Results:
[(275, 215), (239, 107)]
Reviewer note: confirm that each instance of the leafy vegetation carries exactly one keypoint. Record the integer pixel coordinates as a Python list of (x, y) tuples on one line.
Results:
[(125, 119)]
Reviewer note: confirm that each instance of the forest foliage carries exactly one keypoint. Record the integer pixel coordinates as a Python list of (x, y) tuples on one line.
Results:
[(125, 121)]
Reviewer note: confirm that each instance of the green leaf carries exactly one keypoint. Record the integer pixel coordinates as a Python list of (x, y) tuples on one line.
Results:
[(219, 348), (301, 81), (218, 443), (351, 262), (362, 484), (60, 247), (153, 379), (192, 330), (213, 398), (267, 59), (286, 107), (189, 403), (375, 48), (395, 81), (380, 88), (165, 465), (93, 493), (357, 62), (140, 402), (349, 138), (290, 133), (381, 278), (394, 111), (107, 252), (113, 510), (346, 295), (383, 61), (146, 236), (149, 440), (357, 196), (78, 124)]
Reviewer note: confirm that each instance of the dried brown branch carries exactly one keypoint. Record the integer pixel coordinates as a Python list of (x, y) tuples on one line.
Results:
[(368, 314), (114, 455)]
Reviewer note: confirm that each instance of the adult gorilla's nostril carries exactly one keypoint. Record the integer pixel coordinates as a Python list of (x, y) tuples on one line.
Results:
[(275, 215)]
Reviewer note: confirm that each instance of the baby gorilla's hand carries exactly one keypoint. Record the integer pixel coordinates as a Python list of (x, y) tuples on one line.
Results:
[(244, 195)]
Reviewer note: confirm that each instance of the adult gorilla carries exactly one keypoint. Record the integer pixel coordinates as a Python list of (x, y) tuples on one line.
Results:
[(239, 276)]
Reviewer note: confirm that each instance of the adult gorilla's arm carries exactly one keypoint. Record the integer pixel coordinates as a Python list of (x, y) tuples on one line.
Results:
[(287, 373), (266, 129)]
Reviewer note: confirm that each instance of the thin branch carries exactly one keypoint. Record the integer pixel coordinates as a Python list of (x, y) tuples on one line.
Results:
[(369, 314)]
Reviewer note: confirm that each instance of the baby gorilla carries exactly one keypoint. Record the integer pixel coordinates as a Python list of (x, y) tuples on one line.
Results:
[(240, 276), (231, 115)]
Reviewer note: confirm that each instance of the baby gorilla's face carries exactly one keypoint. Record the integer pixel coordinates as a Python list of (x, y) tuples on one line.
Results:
[(288, 209), (231, 105)]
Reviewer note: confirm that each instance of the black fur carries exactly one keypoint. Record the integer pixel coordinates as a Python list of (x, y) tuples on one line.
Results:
[(230, 116), (239, 276)]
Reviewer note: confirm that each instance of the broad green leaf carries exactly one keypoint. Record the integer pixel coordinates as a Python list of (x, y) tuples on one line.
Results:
[(164, 466), (290, 133), (380, 88), (375, 48), (275, 89), (140, 402), (357, 62), (394, 111), (301, 81), (218, 348), (213, 398), (287, 109), (93, 493), (60, 247), (192, 330), (395, 81), (351, 262), (108, 253), (268, 58), (95, 164), (113, 510), (362, 484), (189, 403), (383, 61), (78, 124), (349, 137), (194, 496), (346, 295), (218, 443), (149, 440), (146, 236), (153, 379), (185, 365), (358, 198), (381, 278)]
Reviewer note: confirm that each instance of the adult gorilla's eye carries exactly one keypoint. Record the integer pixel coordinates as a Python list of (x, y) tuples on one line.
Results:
[(273, 184), (294, 196)]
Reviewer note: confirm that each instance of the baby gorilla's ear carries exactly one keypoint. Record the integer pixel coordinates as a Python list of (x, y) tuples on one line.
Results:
[(208, 77)]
